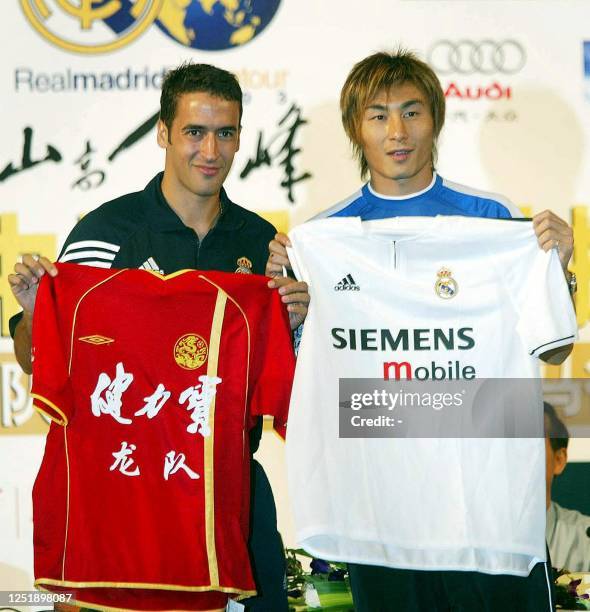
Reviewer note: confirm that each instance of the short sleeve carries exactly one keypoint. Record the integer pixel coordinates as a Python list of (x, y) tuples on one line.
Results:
[(92, 242), (51, 389), (297, 264), (546, 315), (273, 363)]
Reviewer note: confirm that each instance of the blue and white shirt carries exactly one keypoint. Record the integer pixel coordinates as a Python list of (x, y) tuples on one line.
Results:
[(441, 197)]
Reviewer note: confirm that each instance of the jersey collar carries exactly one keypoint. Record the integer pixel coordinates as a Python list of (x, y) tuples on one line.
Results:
[(367, 189), (162, 217)]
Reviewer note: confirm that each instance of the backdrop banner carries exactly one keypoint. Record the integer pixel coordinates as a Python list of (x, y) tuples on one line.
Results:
[(80, 94)]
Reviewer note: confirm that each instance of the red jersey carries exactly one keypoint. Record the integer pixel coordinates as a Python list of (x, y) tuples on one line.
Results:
[(142, 498)]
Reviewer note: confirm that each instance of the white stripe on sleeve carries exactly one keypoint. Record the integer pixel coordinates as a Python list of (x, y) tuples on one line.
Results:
[(85, 254), (96, 264), (92, 244)]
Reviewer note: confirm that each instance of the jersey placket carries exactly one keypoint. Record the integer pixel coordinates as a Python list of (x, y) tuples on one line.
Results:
[(397, 255)]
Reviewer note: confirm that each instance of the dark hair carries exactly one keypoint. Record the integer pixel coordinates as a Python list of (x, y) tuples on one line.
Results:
[(382, 71), (555, 430), (188, 78)]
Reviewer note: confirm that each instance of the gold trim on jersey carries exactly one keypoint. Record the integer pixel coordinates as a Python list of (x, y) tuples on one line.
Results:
[(63, 561), (64, 420), (249, 337), (241, 593), (209, 441), (210, 509), (64, 424), (76, 311), (150, 586), (170, 276)]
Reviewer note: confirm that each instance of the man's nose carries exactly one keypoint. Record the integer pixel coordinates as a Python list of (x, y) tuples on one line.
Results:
[(396, 128), (209, 146)]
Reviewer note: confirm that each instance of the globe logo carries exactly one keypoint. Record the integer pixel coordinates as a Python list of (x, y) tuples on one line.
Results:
[(103, 26), (214, 25)]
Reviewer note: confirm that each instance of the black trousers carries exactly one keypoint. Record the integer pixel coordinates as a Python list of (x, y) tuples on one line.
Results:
[(380, 589), (266, 548)]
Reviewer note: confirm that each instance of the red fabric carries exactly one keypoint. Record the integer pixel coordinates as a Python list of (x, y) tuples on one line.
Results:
[(144, 529)]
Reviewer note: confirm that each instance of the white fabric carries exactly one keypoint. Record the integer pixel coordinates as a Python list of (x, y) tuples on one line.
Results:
[(454, 503)]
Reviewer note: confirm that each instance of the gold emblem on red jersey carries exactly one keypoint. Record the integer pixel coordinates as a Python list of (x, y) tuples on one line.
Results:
[(446, 286), (96, 339), (244, 266), (190, 351)]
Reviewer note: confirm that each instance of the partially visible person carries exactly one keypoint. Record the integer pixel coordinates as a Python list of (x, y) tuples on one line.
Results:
[(568, 531), (393, 111), (184, 219)]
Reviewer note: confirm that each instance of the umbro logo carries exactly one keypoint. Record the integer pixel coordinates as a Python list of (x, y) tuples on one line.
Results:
[(96, 339), (347, 284)]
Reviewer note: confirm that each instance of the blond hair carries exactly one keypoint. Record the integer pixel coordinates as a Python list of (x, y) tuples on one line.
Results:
[(379, 72)]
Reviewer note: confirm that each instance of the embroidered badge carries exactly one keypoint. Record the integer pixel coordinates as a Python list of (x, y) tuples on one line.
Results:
[(244, 266), (446, 286), (190, 351)]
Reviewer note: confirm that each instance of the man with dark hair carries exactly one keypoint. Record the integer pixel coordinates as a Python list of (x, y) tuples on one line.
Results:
[(184, 219), (567, 532), (188, 78), (393, 110)]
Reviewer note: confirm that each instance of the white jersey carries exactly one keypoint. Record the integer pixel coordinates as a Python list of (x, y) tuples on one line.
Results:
[(421, 298)]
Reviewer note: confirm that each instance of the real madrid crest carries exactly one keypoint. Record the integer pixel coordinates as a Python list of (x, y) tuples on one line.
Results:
[(446, 286), (190, 351), (244, 266), (128, 22)]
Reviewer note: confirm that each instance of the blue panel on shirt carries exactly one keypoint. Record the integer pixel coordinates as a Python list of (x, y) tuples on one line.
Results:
[(440, 199)]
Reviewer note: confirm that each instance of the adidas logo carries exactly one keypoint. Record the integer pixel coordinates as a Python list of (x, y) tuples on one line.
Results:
[(150, 264), (347, 284)]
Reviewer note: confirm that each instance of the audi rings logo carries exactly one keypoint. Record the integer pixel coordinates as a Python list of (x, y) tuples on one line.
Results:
[(477, 57)]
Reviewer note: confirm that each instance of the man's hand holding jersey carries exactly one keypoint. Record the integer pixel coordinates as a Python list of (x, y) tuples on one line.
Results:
[(554, 232), (24, 284), (294, 293), (278, 258), (25, 280)]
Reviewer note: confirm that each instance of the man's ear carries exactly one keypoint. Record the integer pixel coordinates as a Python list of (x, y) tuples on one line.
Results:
[(560, 461), (162, 134)]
